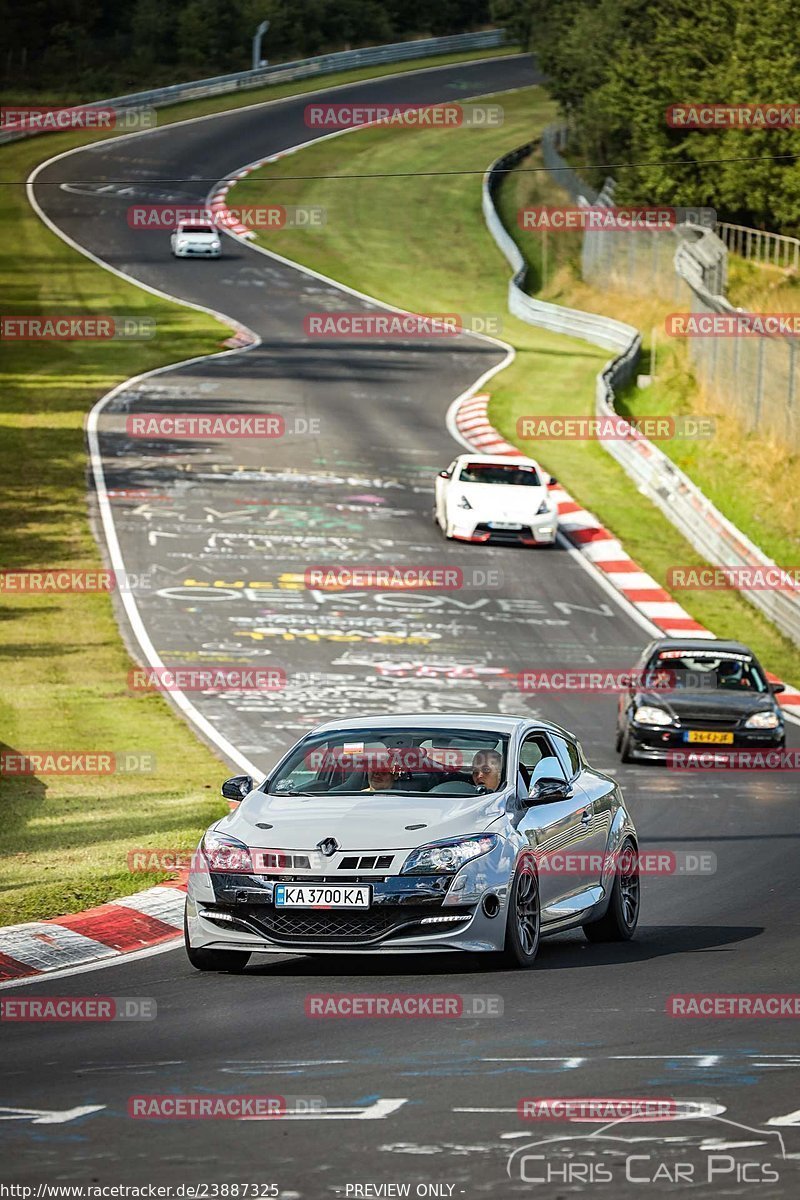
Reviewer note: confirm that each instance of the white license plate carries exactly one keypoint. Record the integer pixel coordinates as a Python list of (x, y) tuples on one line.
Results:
[(503, 525), (308, 895)]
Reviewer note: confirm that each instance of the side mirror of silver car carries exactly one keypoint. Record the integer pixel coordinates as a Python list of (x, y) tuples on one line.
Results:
[(547, 790), (237, 788)]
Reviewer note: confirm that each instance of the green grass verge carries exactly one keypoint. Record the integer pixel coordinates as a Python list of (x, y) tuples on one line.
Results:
[(419, 242), (65, 839), (64, 667)]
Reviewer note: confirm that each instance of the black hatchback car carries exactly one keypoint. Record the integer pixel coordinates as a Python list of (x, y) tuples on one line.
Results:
[(698, 692)]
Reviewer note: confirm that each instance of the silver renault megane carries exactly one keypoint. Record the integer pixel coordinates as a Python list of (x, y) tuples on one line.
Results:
[(412, 834)]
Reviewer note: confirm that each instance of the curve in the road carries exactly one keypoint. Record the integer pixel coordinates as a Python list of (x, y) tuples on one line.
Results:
[(228, 544)]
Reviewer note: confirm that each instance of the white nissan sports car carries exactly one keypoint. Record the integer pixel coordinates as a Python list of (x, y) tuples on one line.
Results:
[(497, 498), (195, 239), (410, 834)]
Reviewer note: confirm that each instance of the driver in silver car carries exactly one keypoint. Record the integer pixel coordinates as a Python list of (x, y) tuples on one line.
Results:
[(487, 767)]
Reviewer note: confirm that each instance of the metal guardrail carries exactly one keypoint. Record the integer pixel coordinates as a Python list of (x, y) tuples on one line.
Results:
[(304, 68), (657, 477), (591, 327), (760, 246)]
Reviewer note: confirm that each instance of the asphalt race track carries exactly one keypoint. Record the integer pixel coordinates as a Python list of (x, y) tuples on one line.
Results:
[(222, 530)]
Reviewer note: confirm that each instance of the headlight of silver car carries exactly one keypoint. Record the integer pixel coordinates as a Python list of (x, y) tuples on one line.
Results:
[(225, 853), (763, 720), (649, 714), (447, 857)]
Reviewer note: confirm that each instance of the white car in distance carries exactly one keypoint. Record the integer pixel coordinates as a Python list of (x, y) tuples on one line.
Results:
[(196, 239), (496, 498)]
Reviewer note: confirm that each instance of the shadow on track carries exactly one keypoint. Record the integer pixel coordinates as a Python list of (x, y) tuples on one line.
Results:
[(559, 954)]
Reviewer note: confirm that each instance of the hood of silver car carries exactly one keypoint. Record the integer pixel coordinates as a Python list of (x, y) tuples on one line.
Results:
[(359, 821)]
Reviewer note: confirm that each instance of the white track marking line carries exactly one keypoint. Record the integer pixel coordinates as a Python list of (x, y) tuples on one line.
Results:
[(38, 1116), (379, 1110)]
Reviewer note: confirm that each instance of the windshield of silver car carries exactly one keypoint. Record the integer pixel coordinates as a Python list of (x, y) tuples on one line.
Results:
[(406, 761)]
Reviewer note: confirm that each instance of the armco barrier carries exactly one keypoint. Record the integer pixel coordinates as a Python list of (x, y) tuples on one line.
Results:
[(304, 68), (600, 331), (657, 477)]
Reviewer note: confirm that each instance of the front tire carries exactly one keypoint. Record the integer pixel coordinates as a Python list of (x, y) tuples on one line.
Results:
[(232, 961), (524, 920), (622, 915), (625, 747)]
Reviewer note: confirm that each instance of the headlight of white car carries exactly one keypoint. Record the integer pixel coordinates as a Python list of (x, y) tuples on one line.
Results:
[(225, 853), (763, 720), (447, 857), (464, 503), (544, 507), (648, 714)]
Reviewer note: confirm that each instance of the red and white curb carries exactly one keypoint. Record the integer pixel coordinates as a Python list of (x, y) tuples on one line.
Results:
[(217, 200), (240, 338), (592, 539), (119, 927)]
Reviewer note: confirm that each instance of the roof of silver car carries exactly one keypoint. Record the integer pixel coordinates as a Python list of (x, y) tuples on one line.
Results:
[(476, 722)]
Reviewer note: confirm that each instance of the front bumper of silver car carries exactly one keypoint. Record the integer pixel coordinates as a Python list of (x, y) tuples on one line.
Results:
[(408, 913)]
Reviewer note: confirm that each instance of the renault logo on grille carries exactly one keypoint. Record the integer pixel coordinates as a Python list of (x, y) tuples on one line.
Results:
[(328, 846)]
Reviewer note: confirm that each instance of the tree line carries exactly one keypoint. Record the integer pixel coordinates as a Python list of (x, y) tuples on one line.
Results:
[(615, 66), (103, 47)]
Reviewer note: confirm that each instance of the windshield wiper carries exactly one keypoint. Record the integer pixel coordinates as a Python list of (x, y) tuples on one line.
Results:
[(294, 792)]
